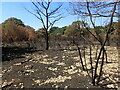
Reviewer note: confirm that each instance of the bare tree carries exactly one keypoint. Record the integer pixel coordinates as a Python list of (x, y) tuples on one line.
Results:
[(47, 14), (92, 10)]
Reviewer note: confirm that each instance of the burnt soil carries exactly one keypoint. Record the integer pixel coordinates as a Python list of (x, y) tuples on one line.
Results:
[(29, 68)]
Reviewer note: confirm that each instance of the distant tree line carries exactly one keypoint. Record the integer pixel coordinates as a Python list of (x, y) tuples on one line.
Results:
[(13, 29)]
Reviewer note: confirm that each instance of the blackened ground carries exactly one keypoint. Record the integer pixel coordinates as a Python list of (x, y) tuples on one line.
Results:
[(58, 67), (10, 53)]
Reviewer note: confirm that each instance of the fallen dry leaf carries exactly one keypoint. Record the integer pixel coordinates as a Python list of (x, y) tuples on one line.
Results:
[(5, 84)]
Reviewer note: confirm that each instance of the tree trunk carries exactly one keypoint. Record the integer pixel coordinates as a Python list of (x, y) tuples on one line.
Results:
[(47, 41), (81, 58), (101, 68), (108, 41), (47, 37)]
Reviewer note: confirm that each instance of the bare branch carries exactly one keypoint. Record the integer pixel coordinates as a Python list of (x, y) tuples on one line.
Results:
[(54, 11), (41, 19), (48, 5), (53, 22), (38, 9), (33, 14)]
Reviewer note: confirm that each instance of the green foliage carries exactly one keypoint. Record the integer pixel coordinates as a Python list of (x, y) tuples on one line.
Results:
[(84, 32), (15, 21), (79, 24), (57, 30), (114, 27), (100, 30), (71, 31), (76, 29)]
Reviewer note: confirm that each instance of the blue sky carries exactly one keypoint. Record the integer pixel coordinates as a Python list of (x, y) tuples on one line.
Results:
[(16, 9)]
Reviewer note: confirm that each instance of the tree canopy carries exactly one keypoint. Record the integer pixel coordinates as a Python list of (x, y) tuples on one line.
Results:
[(15, 21), (76, 29), (13, 29)]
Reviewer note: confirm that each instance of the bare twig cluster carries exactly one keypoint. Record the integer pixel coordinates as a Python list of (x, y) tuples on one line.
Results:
[(91, 10)]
